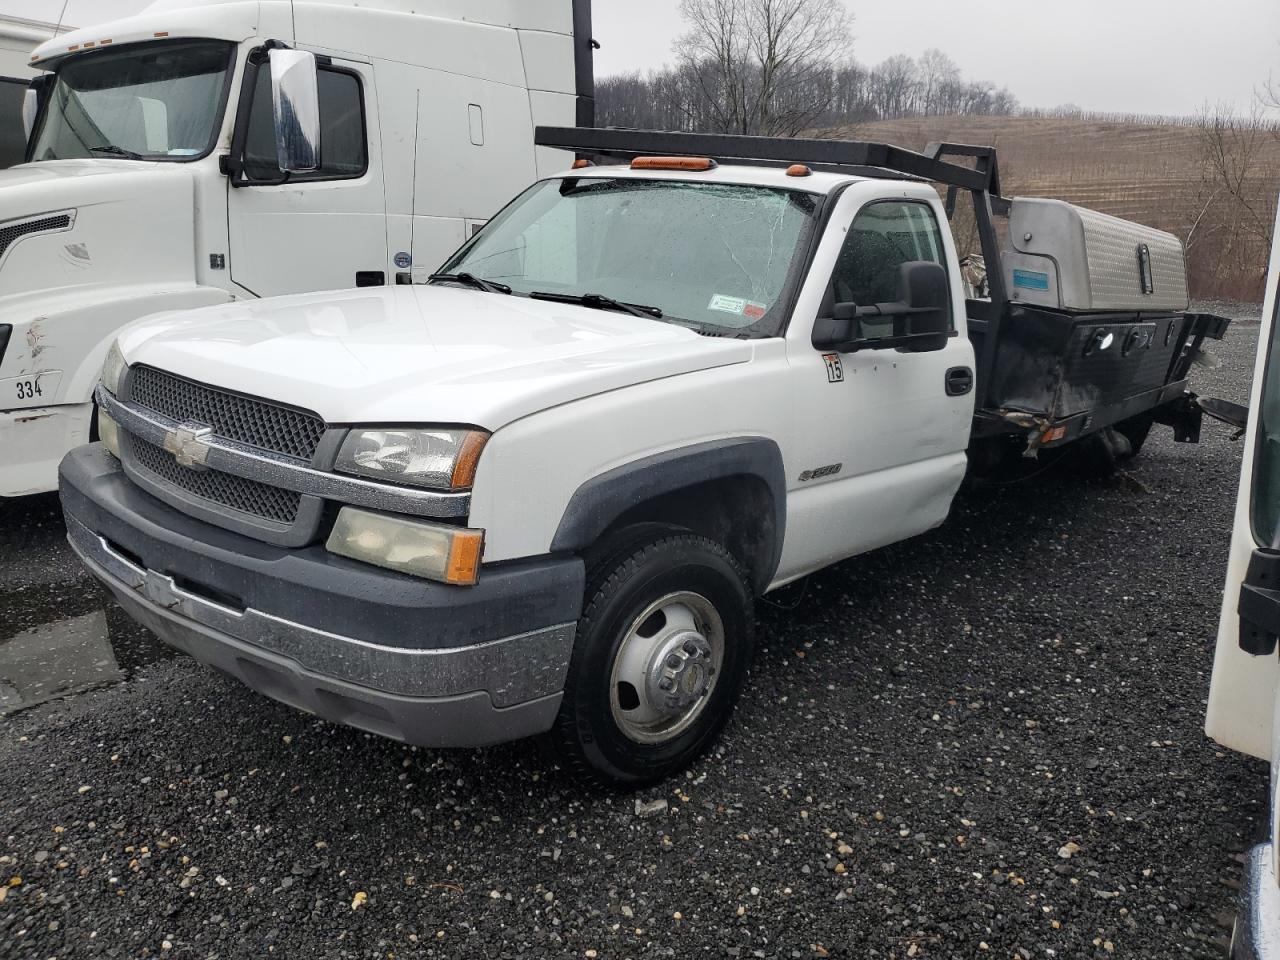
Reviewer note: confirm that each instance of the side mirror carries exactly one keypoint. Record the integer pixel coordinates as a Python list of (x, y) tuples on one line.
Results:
[(918, 321), (295, 105), (30, 107), (926, 290), (33, 99)]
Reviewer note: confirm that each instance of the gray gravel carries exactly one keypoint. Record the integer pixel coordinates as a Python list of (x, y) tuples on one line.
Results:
[(983, 742)]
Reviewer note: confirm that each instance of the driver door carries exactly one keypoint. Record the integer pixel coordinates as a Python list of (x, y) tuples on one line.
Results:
[(324, 230), (1245, 689), (882, 431)]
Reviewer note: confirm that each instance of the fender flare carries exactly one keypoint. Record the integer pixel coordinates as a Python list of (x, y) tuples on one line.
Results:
[(602, 499)]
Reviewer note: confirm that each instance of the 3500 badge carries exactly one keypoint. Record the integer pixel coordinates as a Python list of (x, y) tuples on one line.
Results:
[(30, 390)]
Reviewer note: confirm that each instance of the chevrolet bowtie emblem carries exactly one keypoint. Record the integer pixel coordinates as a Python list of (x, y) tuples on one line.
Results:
[(187, 444)]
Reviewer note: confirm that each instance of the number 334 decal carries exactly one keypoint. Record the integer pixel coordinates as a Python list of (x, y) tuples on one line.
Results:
[(40, 387)]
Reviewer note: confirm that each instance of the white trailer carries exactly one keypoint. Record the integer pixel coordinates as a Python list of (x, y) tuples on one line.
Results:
[(1244, 696), (163, 170)]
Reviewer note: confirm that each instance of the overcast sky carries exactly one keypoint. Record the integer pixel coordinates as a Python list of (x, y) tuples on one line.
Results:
[(1144, 56)]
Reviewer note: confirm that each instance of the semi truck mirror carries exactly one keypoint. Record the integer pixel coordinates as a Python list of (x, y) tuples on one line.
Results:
[(295, 105), (30, 105)]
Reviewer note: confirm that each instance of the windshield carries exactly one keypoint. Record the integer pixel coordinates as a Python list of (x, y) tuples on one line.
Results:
[(710, 255), (152, 101)]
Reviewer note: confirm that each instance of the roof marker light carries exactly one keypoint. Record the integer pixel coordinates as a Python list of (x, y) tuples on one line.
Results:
[(162, 33), (580, 163), (798, 170), (696, 164)]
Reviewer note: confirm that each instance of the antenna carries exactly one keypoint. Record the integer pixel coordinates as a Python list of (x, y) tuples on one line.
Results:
[(61, 16)]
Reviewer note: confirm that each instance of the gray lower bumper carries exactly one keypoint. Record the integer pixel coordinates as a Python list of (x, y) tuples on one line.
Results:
[(452, 697), (1257, 932)]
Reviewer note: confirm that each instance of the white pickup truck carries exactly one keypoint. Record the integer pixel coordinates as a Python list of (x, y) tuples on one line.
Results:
[(539, 494), (1244, 697), (162, 174)]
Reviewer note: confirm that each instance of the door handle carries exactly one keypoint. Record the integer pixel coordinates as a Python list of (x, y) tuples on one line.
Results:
[(959, 381)]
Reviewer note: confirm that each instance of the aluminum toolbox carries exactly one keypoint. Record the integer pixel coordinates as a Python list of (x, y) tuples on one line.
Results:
[(1066, 257)]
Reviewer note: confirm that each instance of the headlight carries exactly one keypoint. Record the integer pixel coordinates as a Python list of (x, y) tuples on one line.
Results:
[(435, 551), (113, 369), (443, 459)]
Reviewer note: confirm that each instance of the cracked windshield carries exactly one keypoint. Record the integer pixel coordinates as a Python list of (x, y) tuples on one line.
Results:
[(709, 255)]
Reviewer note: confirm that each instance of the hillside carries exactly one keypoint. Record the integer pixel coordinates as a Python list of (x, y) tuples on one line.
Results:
[(1150, 173)]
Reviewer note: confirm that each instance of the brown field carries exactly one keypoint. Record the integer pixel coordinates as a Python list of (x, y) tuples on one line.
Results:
[(1146, 172)]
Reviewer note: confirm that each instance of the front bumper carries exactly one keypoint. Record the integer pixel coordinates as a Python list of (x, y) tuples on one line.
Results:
[(1257, 932), (420, 662)]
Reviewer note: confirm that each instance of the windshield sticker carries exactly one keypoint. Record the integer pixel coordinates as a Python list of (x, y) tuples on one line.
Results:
[(727, 304), (754, 311)]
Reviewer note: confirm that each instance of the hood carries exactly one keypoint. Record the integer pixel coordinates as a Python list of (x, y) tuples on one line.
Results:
[(128, 222), (421, 354)]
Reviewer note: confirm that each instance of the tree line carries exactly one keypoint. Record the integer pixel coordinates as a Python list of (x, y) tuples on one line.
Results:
[(698, 96)]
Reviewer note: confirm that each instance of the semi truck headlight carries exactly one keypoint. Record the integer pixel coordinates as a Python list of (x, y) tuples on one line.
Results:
[(434, 551), (109, 433), (113, 369), (441, 459)]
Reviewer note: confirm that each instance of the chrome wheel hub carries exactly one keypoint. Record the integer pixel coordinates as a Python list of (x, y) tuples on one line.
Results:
[(666, 667)]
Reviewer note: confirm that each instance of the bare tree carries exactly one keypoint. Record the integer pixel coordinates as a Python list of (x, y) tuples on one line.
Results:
[(1229, 225), (763, 66), (939, 76)]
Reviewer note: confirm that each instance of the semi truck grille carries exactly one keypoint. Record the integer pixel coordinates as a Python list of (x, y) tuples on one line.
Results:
[(258, 423), (220, 489)]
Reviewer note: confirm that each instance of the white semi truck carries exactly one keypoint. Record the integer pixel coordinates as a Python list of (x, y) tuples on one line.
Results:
[(1244, 696), (205, 151), (539, 493)]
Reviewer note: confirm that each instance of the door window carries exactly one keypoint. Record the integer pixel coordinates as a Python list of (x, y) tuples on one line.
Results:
[(1266, 466), (883, 236), (13, 140), (343, 150)]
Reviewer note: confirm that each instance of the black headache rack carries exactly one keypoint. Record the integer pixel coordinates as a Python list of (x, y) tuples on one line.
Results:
[(1040, 374)]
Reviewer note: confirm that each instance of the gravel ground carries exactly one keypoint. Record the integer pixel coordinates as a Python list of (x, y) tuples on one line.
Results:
[(984, 742)]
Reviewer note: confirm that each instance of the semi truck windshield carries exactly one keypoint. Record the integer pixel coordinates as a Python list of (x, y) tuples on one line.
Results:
[(152, 101)]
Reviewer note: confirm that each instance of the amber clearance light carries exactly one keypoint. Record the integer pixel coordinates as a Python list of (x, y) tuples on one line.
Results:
[(694, 164)]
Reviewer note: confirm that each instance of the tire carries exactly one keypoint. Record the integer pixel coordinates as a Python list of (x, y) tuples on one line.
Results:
[(650, 605), (1135, 430)]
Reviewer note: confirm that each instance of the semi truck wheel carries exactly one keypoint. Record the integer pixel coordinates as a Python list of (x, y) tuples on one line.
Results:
[(661, 654)]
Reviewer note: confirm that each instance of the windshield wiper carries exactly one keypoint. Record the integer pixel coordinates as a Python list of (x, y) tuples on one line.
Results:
[(471, 280), (600, 302), (112, 150)]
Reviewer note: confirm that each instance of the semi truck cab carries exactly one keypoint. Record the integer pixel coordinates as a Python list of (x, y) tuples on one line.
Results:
[(205, 152)]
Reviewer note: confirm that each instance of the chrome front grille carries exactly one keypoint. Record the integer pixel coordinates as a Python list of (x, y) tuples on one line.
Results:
[(258, 423), (218, 489)]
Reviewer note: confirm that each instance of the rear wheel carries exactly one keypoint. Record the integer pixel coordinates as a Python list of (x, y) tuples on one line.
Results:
[(1135, 430), (661, 654)]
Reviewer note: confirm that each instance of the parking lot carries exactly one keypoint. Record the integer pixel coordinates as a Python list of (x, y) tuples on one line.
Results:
[(986, 741)]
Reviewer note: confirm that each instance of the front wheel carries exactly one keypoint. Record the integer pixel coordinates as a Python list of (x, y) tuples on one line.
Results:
[(661, 654)]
